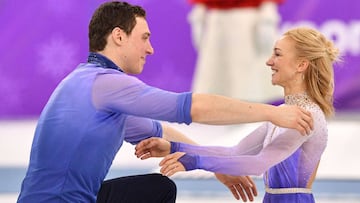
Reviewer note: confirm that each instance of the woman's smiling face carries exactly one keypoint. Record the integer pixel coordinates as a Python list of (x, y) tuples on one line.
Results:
[(283, 63)]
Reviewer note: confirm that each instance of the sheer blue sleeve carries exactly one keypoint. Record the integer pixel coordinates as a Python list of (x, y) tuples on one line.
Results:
[(126, 94), (139, 128), (286, 142), (251, 144)]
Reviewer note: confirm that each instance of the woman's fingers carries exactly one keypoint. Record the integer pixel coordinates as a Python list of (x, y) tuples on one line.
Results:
[(170, 164), (171, 169)]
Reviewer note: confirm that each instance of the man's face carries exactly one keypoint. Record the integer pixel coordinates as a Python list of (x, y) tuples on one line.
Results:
[(136, 47)]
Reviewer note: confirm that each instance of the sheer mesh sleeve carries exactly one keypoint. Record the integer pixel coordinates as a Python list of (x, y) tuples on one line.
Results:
[(126, 94), (251, 144), (283, 145), (138, 128)]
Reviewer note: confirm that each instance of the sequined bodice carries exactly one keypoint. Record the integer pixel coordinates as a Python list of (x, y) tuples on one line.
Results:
[(300, 99)]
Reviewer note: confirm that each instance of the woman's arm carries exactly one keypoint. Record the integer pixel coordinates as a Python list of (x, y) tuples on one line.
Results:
[(157, 147), (251, 144), (286, 143), (240, 186)]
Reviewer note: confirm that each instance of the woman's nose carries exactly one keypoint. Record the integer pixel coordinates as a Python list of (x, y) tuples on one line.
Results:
[(269, 62)]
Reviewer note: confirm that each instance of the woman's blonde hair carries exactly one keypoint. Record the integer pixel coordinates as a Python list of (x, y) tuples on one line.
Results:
[(319, 76)]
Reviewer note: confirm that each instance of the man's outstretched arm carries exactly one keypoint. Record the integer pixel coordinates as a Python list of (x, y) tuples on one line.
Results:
[(220, 110)]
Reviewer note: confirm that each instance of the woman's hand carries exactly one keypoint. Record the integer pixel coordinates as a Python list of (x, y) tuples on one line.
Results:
[(152, 147), (171, 164)]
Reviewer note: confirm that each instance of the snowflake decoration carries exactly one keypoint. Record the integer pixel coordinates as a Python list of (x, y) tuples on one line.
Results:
[(56, 57)]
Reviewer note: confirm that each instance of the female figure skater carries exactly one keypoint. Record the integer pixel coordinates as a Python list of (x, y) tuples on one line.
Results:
[(302, 63)]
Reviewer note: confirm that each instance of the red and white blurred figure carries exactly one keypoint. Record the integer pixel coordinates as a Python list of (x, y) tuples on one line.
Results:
[(233, 39)]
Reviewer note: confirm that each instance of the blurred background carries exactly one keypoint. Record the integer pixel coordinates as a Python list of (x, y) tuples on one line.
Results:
[(42, 41)]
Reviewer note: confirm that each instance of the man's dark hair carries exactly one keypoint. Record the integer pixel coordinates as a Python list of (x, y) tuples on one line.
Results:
[(109, 16)]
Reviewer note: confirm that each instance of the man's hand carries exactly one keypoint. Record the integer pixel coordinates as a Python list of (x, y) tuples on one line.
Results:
[(240, 186), (152, 147), (293, 117)]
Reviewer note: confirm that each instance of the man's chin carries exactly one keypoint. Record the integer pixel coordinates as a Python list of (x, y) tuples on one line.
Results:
[(137, 71)]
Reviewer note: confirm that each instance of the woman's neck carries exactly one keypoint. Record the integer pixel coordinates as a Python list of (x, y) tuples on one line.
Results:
[(293, 91)]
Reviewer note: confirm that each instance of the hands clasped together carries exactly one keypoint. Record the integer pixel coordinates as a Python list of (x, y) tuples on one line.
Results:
[(240, 186), (159, 147)]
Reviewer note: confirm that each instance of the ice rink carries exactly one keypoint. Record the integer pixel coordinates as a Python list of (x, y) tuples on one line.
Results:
[(338, 178)]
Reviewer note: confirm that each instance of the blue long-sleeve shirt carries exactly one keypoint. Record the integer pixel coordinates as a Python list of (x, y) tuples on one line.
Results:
[(83, 125)]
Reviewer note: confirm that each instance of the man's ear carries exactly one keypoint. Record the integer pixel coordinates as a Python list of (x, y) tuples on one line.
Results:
[(117, 35)]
